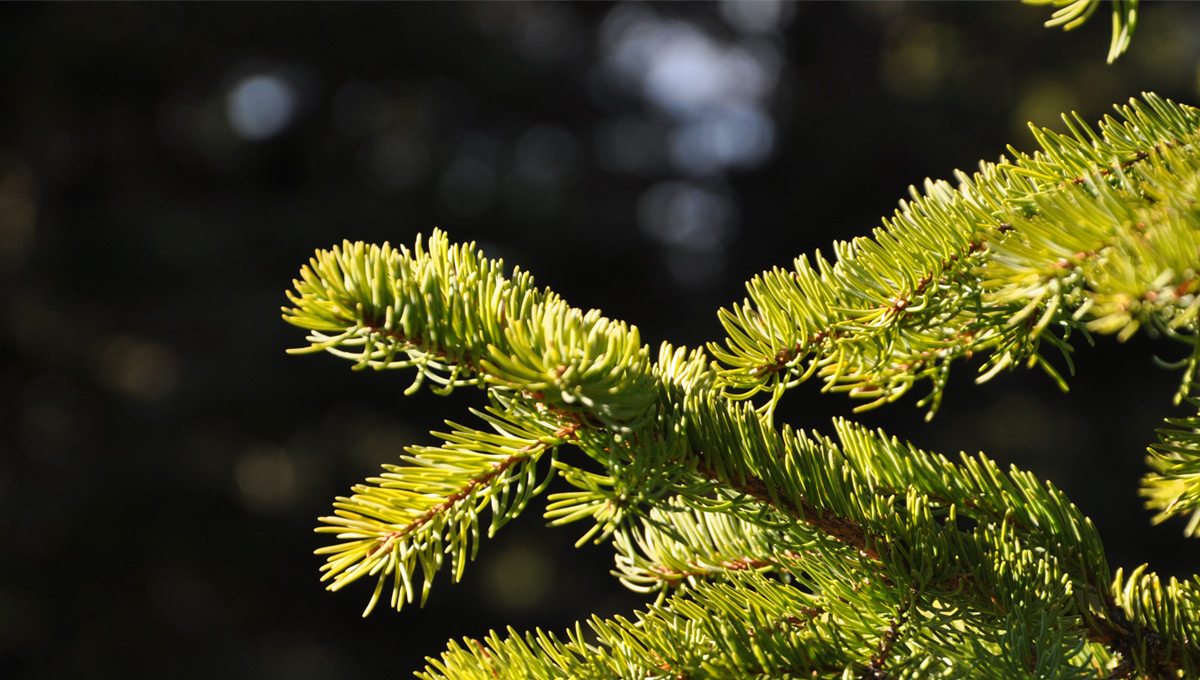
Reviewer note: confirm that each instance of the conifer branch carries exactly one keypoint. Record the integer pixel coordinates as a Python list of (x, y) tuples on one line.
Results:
[(1053, 542), (774, 552), (1021, 248), (453, 314), (413, 515), (683, 546), (1173, 484)]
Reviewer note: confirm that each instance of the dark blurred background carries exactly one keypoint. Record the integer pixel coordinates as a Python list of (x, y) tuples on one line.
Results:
[(165, 169)]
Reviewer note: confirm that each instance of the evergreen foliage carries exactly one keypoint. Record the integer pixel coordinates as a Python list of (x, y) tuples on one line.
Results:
[(774, 552), (1071, 14)]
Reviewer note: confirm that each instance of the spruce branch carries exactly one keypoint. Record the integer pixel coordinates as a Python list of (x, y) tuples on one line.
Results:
[(412, 515), (639, 475), (1094, 233), (1011, 593), (775, 552), (453, 314), (683, 546), (1173, 484)]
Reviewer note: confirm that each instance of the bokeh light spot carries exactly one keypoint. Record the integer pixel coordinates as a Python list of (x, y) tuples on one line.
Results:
[(266, 478), (142, 369), (735, 136), (917, 57), (687, 74), (261, 106), (678, 213), (1042, 104), (755, 16), (710, 95)]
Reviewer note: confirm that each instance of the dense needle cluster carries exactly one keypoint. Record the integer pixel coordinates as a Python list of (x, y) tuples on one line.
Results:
[(778, 553), (774, 552)]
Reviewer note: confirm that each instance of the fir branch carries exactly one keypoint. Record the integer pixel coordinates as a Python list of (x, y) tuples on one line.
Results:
[(757, 629), (440, 307), (893, 538), (1172, 487), (682, 546), (874, 670), (852, 524), (413, 515), (777, 553), (639, 475), (1021, 248), (453, 315)]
